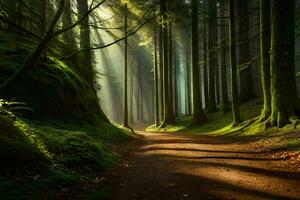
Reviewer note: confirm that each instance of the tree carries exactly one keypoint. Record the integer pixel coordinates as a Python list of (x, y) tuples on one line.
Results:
[(224, 90), (167, 118), (198, 114), (155, 72), (232, 58), (212, 54), (265, 42), (283, 84), (205, 59), (245, 73), (125, 106)]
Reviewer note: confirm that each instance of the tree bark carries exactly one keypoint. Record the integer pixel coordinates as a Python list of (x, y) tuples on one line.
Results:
[(232, 57), (205, 59), (125, 101), (198, 115), (212, 54), (246, 82), (283, 84), (265, 43), (167, 119), (155, 73), (224, 89)]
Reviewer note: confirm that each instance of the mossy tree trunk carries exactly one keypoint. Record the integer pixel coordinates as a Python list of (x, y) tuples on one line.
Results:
[(212, 54), (232, 57), (283, 84), (85, 43), (167, 118), (265, 42), (198, 114), (68, 36)]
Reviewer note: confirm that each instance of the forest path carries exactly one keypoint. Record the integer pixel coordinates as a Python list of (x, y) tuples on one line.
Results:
[(189, 167)]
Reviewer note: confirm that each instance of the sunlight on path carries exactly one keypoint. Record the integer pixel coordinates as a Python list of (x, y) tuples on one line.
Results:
[(188, 167)]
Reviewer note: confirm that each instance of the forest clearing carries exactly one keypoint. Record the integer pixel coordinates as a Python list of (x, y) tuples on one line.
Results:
[(149, 99)]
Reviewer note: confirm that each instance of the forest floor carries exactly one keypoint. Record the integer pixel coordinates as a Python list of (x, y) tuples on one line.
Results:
[(178, 166)]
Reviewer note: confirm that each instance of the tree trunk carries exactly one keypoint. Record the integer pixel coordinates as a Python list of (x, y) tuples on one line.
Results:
[(232, 57), (265, 43), (205, 59), (245, 73), (198, 115), (68, 36), (224, 90), (283, 84), (161, 68), (171, 68), (125, 114), (155, 74), (167, 119), (188, 84), (212, 54)]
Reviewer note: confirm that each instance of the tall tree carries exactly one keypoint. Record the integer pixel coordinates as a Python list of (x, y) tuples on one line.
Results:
[(125, 102), (205, 59), (232, 57), (68, 36), (283, 84), (171, 70), (223, 63), (167, 118), (198, 114), (212, 54), (265, 43), (245, 73), (155, 72)]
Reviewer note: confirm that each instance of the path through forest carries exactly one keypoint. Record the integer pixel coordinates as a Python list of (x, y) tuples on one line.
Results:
[(184, 166)]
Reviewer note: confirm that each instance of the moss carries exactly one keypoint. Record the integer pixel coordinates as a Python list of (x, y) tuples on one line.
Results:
[(56, 154)]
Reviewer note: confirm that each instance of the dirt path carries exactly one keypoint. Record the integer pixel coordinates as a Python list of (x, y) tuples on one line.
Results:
[(187, 167)]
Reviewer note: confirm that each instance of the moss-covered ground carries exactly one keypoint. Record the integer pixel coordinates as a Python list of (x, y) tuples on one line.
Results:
[(56, 159), (219, 124)]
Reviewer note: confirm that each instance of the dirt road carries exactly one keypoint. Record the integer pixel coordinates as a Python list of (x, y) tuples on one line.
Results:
[(187, 167)]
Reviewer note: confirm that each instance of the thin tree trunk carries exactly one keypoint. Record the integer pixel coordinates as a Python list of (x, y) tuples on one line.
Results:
[(125, 114), (224, 90), (246, 82), (232, 57), (265, 43), (212, 54), (198, 115), (188, 84), (171, 68), (155, 74), (205, 71)]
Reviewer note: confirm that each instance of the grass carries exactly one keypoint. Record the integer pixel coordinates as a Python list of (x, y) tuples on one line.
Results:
[(43, 158), (215, 121), (219, 124)]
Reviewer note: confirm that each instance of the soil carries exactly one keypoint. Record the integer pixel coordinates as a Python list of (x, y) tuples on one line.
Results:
[(183, 166)]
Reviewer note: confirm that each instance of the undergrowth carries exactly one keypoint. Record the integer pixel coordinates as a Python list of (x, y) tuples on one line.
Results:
[(46, 159)]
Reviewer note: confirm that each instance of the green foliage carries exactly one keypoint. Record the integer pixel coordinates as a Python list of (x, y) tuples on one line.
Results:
[(55, 153)]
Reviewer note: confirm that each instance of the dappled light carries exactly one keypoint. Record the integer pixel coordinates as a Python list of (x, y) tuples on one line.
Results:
[(149, 99)]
